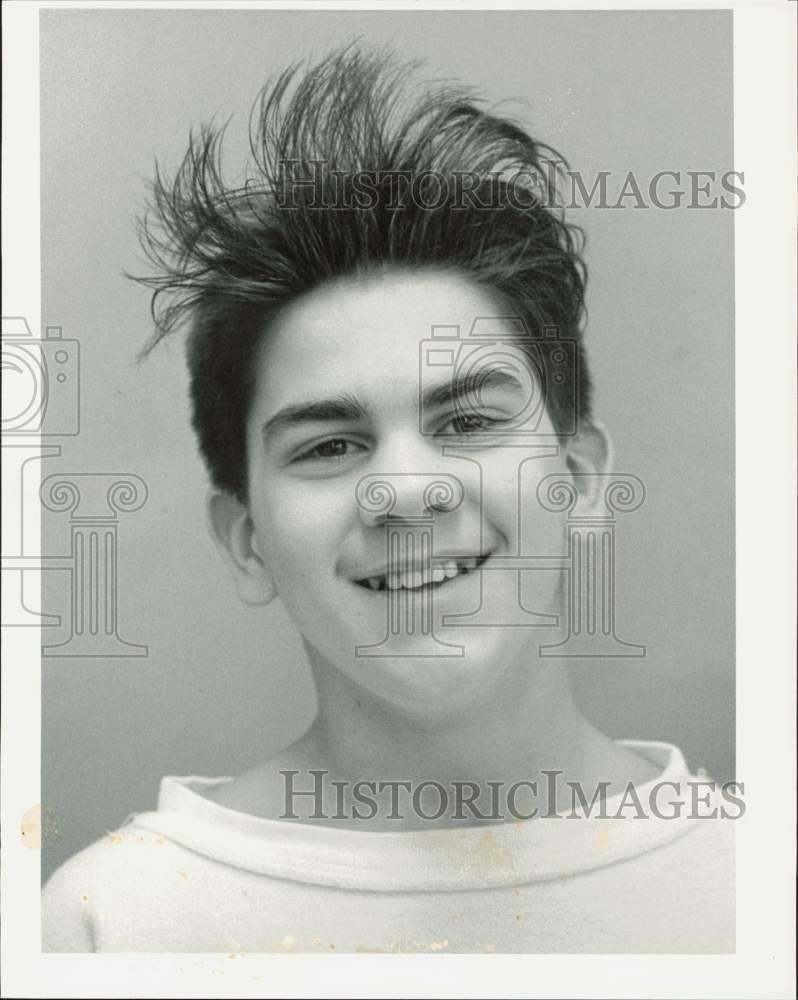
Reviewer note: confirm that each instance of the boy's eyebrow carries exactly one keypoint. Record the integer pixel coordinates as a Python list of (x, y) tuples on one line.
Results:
[(348, 407), (471, 384), (335, 408)]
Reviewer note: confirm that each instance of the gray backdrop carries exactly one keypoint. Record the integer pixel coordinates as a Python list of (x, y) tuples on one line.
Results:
[(224, 686)]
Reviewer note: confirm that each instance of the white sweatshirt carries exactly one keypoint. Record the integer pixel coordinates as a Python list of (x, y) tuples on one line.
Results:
[(197, 876)]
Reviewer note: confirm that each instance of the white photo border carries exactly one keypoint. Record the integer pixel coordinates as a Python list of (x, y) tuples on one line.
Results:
[(765, 392)]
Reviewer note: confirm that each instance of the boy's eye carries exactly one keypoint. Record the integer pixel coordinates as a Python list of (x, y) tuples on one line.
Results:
[(470, 423), (334, 449)]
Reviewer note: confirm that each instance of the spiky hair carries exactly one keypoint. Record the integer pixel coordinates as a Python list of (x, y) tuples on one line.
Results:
[(353, 168)]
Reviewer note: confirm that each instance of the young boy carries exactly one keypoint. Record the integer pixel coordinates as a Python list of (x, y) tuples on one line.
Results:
[(391, 394)]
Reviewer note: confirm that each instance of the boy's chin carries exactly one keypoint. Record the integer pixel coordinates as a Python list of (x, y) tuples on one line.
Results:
[(435, 687), (428, 689)]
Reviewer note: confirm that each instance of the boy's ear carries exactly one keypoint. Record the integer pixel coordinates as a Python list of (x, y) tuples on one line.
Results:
[(232, 529), (589, 455)]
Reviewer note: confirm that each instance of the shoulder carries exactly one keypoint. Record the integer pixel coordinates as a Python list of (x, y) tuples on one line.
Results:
[(110, 874), (707, 851), (694, 878)]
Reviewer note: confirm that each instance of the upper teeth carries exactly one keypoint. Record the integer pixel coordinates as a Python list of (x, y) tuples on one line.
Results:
[(411, 579)]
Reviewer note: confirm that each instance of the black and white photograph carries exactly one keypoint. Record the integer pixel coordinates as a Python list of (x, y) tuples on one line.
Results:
[(399, 480)]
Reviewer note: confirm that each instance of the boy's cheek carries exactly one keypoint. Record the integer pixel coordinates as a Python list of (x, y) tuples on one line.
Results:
[(303, 518)]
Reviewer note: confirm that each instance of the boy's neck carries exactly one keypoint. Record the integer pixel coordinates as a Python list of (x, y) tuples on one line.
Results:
[(527, 726)]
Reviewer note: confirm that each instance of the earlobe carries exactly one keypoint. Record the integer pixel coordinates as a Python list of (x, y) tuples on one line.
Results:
[(590, 456), (232, 529)]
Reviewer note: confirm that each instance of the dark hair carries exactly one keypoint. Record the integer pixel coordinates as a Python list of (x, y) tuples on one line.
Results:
[(330, 148)]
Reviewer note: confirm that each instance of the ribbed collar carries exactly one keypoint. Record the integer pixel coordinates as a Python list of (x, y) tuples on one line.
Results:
[(477, 857)]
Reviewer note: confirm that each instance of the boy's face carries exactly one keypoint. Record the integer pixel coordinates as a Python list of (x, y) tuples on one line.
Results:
[(342, 393)]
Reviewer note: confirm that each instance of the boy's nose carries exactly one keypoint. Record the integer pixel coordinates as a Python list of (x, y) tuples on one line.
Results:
[(406, 496)]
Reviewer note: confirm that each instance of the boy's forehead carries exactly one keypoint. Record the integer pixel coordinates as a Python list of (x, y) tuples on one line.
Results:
[(363, 336)]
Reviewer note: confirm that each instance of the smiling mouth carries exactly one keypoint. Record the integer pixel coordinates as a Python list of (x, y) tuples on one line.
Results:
[(430, 578)]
